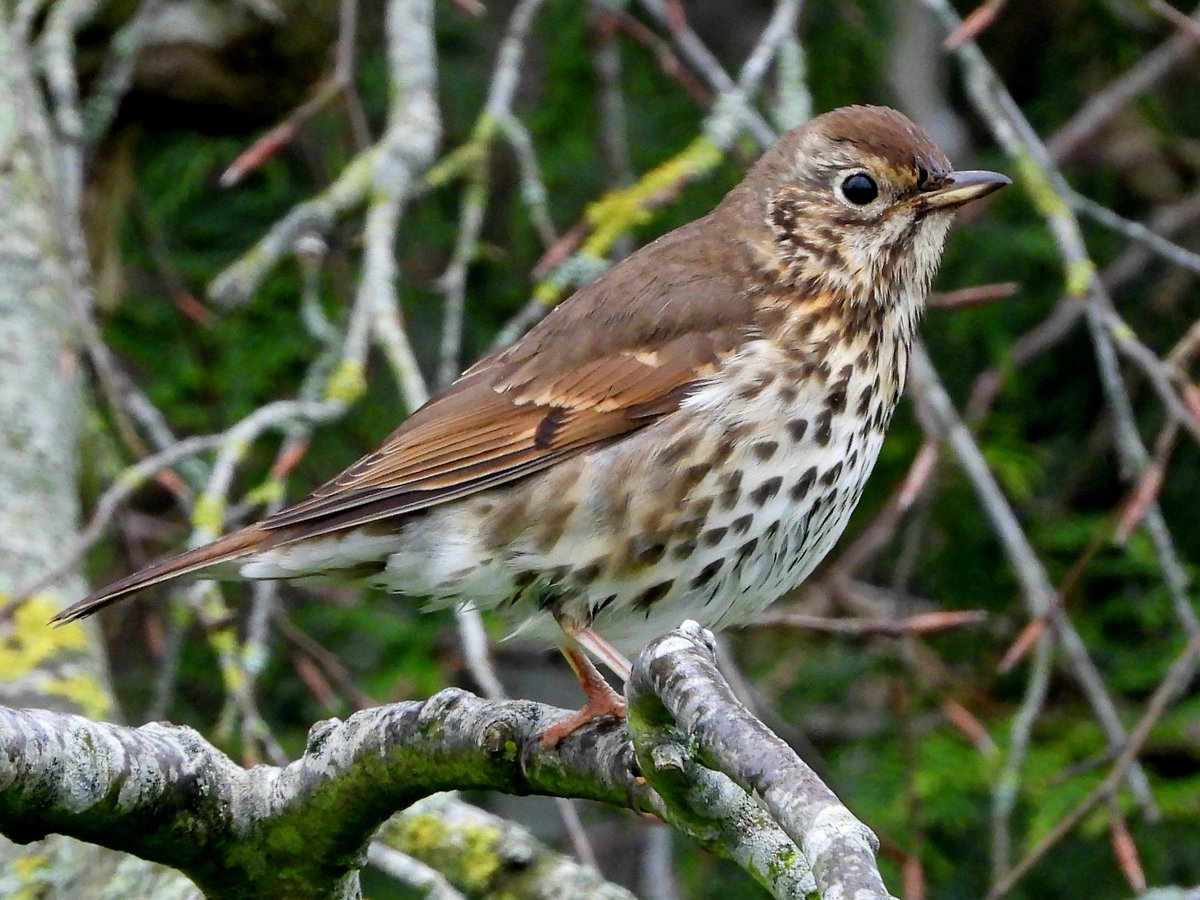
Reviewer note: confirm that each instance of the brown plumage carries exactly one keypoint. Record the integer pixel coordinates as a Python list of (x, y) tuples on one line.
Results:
[(684, 436)]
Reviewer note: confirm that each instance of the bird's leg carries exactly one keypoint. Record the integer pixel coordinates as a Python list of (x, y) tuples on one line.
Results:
[(601, 649), (602, 700)]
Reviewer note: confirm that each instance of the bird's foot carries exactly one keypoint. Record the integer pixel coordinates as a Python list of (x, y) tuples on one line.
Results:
[(602, 701)]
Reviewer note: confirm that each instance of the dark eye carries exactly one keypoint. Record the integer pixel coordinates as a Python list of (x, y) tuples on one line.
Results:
[(860, 189)]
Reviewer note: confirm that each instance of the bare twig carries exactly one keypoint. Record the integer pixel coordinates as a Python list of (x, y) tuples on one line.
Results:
[(1103, 105), (1177, 678), (1039, 595)]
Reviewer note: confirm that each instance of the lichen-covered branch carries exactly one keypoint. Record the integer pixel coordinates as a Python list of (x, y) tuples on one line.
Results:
[(678, 699), (486, 856), (164, 793), (303, 830)]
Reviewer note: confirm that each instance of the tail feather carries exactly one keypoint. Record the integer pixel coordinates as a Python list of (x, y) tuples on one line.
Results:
[(222, 550)]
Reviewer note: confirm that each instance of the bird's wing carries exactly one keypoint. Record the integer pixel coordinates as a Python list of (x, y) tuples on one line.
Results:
[(610, 361), (496, 430)]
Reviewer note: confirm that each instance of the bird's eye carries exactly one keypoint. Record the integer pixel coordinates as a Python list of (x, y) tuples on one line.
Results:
[(860, 189)]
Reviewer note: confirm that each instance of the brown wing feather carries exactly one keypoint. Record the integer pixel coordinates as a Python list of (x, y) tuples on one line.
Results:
[(608, 361), (513, 430)]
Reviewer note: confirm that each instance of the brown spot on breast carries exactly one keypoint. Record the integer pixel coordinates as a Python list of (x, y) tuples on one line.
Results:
[(744, 551), (688, 529), (684, 549), (508, 522), (362, 571), (603, 605), (764, 450), (698, 509), (756, 385), (713, 536), (707, 574), (646, 549), (811, 370), (864, 402), (788, 394), (835, 400), (731, 492), (693, 475), (741, 524), (767, 490), (589, 573), (725, 448), (800, 489), (651, 595), (824, 429), (551, 523), (677, 450), (770, 318), (832, 475), (796, 428)]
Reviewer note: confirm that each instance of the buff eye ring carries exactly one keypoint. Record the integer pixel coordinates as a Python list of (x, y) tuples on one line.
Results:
[(860, 189)]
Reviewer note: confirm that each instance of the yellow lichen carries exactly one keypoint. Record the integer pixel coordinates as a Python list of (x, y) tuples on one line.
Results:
[(30, 642), (1036, 182), (31, 869), (84, 691), (480, 861), (347, 383), (618, 211), (547, 290), (209, 514), (27, 865), (1079, 277), (267, 492)]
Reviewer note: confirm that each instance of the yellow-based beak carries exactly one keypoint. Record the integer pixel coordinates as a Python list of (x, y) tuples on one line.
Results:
[(960, 188)]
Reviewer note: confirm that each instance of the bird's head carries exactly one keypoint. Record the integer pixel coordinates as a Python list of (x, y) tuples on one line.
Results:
[(857, 202)]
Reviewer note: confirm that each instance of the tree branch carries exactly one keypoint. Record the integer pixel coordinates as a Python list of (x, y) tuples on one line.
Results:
[(163, 793), (677, 698)]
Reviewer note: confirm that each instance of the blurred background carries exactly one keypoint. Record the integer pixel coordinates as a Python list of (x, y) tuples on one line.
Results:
[(940, 691)]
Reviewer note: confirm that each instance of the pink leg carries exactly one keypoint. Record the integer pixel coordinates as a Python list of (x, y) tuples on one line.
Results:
[(602, 650), (602, 700)]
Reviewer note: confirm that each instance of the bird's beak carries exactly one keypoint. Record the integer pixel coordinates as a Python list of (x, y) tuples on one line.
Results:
[(960, 188)]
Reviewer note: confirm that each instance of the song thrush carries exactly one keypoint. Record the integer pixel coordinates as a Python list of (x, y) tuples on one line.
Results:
[(685, 437)]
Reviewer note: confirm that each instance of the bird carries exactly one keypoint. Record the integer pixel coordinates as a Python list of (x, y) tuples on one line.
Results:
[(684, 437)]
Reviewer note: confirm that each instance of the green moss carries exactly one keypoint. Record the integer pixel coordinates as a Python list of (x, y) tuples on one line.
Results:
[(469, 855)]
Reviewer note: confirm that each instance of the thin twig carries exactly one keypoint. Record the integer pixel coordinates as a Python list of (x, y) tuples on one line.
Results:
[(1177, 678)]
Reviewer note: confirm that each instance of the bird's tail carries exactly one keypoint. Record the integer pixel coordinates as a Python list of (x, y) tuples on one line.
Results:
[(222, 550)]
